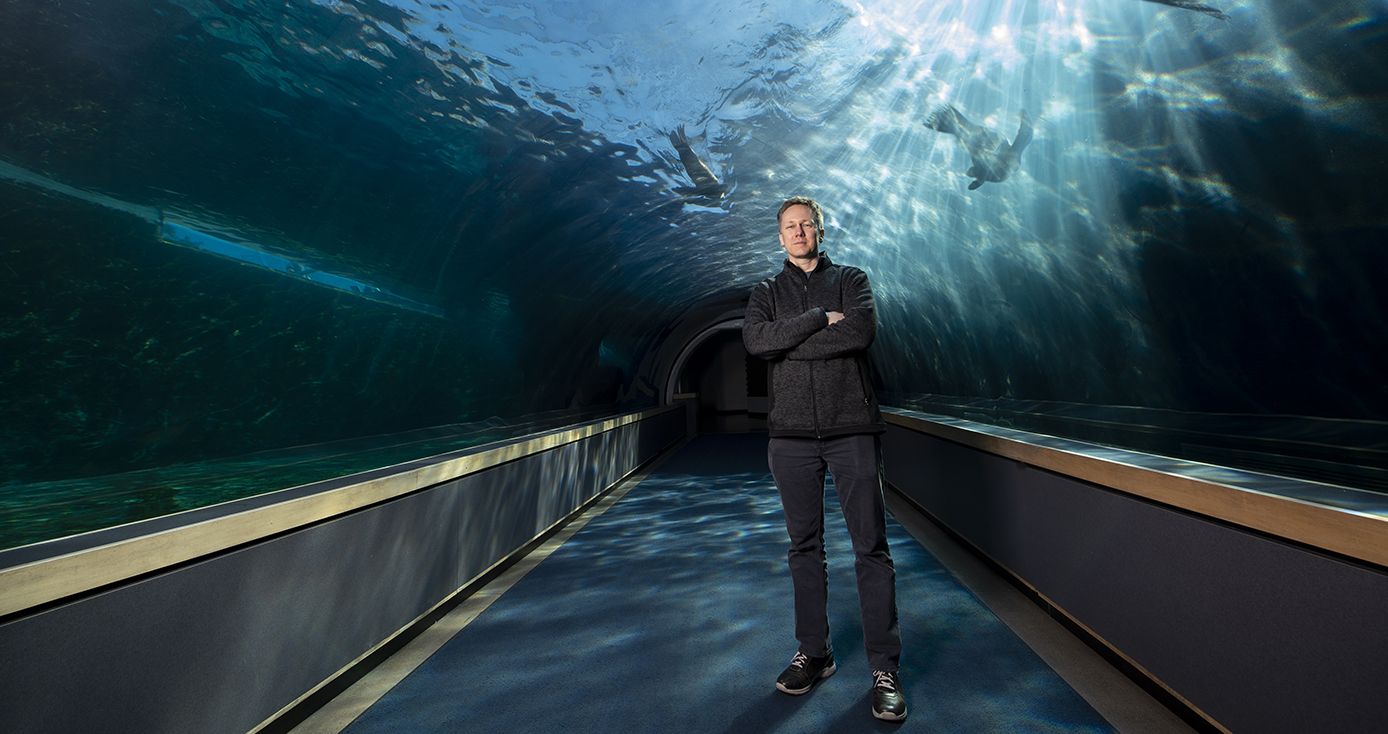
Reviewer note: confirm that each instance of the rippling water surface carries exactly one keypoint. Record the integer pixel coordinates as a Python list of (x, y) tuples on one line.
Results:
[(1195, 229)]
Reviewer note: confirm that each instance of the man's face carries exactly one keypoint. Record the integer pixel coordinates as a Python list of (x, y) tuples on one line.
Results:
[(798, 233)]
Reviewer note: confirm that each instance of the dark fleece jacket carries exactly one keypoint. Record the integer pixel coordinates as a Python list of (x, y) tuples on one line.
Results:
[(821, 385)]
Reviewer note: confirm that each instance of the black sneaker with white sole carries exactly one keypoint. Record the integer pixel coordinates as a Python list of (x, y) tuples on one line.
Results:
[(804, 671), (888, 702)]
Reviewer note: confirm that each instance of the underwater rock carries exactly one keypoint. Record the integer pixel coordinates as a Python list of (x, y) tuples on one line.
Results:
[(993, 158)]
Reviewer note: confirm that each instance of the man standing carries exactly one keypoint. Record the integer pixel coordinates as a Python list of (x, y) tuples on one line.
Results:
[(814, 322)]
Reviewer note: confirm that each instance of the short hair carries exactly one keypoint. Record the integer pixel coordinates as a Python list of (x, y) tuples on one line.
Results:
[(814, 209)]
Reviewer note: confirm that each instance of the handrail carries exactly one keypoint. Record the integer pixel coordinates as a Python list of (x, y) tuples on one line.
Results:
[(28, 585), (1341, 520)]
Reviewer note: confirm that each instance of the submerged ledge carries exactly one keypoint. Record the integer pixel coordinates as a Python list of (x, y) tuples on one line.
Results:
[(70, 509), (1341, 520), (45, 572)]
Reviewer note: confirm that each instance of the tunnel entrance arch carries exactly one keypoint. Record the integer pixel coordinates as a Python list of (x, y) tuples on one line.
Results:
[(729, 387), (721, 328)]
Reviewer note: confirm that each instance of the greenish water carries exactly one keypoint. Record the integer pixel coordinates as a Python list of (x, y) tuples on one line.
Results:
[(30, 513)]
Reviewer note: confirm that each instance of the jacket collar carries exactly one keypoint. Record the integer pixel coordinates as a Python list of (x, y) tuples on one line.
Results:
[(823, 265)]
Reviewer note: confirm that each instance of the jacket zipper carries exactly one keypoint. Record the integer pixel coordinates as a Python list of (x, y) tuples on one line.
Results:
[(862, 379), (814, 406)]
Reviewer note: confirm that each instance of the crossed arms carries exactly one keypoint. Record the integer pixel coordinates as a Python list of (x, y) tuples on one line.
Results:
[(816, 333)]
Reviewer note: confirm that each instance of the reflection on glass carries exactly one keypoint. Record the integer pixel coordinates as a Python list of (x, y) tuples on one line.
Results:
[(507, 206), (40, 511)]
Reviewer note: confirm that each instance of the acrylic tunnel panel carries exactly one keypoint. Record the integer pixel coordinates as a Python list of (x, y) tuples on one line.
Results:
[(251, 244)]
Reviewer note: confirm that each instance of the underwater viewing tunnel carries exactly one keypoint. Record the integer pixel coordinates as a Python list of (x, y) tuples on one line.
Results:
[(378, 365)]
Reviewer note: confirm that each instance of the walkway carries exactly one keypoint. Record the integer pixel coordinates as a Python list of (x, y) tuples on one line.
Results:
[(671, 611)]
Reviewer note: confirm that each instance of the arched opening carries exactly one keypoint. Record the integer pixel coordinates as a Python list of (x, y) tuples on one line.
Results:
[(729, 385)]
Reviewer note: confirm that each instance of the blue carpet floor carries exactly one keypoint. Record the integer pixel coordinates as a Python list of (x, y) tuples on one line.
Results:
[(672, 612)]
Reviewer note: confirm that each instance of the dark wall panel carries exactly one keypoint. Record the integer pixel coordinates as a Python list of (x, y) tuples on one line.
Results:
[(221, 644), (1261, 635)]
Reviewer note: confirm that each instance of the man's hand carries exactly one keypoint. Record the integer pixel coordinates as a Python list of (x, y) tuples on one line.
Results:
[(834, 316)]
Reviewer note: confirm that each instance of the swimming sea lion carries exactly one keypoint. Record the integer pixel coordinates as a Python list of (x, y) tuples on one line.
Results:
[(705, 183), (1197, 7), (992, 157)]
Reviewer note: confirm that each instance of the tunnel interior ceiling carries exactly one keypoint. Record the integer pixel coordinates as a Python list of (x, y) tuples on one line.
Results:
[(239, 227)]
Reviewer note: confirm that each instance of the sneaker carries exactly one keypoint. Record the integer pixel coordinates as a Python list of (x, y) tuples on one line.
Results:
[(888, 702), (804, 671)]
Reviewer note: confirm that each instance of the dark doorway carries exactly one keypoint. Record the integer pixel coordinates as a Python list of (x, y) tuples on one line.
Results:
[(729, 384)]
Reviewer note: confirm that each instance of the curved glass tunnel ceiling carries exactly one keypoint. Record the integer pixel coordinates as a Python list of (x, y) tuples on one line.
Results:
[(524, 200)]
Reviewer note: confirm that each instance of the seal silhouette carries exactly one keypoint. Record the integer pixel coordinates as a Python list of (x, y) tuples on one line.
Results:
[(993, 158), (706, 184), (1197, 7)]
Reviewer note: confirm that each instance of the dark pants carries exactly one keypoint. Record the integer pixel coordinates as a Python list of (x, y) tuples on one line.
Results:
[(855, 462)]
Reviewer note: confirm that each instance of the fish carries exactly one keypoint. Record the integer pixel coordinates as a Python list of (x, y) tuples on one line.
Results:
[(1197, 7), (993, 158), (706, 184)]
